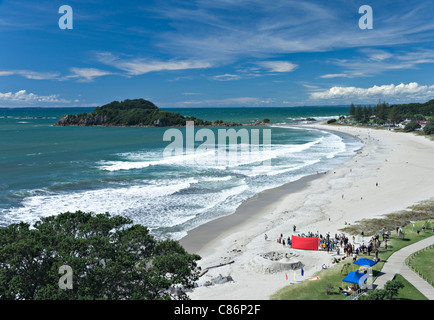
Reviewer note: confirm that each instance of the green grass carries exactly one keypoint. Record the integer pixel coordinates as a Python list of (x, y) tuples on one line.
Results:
[(411, 237), (331, 279), (314, 290), (409, 292), (423, 263)]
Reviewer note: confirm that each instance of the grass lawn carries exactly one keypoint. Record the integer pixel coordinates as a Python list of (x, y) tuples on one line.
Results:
[(331, 279), (423, 263), (315, 290), (409, 292)]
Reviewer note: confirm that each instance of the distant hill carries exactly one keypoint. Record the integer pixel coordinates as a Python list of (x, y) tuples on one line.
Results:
[(384, 113), (136, 112), (410, 109)]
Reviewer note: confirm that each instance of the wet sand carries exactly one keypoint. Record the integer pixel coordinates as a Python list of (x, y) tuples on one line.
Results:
[(201, 236)]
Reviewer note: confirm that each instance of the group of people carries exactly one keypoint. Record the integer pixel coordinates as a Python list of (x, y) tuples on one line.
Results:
[(326, 242), (282, 240), (342, 242), (386, 234), (339, 242), (372, 246)]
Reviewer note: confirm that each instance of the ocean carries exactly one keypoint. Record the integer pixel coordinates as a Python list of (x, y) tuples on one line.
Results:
[(46, 170)]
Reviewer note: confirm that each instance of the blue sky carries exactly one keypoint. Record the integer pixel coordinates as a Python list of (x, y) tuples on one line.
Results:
[(215, 53)]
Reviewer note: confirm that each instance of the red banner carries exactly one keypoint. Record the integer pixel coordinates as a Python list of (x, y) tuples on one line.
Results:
[(305, 243)]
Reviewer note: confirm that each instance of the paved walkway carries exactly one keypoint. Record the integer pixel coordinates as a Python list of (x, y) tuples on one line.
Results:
[(396, 264)]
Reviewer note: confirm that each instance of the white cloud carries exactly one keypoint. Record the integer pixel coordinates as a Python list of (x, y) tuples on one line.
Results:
[(232, 30), (411, 92), (253, 72), (82, 74), (374, 61), (278, 66), (181, 78), (226, 77), (87, 74), (23, 96), (376, 54), (31, 74), (130, 67), (334, 75), (139, 66)]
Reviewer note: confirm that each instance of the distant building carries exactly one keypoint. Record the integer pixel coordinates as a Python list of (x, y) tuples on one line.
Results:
[(404, 123), (423, 123)]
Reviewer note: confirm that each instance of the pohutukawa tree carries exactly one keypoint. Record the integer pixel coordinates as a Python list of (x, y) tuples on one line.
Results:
[(110, 258)]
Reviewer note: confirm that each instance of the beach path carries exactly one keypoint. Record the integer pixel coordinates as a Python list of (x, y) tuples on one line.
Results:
[(396, 265)]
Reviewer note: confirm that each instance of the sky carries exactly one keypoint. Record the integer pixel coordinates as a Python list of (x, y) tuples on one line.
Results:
[(215, 53)]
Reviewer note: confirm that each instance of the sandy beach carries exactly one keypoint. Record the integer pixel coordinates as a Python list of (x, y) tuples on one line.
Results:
[(400, 163)]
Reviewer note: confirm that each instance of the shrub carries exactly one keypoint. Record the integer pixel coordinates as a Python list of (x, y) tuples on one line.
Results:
[(411, 126), (390, 291), (328, 289), (429, 128)]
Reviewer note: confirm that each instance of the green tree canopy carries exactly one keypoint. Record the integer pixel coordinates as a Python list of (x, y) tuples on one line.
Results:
[(411, 126), (389, 292), (110, 258), (352, 110), (393, 113), (429, 128), (358, 114)]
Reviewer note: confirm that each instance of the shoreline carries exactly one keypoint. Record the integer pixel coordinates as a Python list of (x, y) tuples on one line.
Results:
[(397, 162), (201, 236)]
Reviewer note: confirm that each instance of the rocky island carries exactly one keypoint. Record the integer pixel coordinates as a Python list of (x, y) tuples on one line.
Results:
[(136, 112)]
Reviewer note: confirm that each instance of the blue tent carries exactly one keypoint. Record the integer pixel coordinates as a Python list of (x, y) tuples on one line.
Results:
[(356, 277), (365, 262)]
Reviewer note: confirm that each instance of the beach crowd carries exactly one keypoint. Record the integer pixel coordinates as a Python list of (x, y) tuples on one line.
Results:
[(341, 244)]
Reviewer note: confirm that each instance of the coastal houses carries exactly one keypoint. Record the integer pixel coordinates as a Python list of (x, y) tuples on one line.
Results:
[(423, 123)]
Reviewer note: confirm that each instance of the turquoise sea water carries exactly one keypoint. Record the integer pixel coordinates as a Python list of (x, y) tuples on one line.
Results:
[(45, 170)]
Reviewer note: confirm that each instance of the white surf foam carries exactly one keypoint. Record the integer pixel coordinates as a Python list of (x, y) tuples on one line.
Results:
[(113, 200)]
